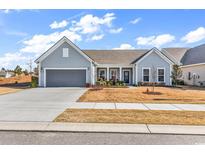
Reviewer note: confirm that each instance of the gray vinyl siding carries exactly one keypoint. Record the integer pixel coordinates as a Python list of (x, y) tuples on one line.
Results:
[(153, 60), (56, 60)]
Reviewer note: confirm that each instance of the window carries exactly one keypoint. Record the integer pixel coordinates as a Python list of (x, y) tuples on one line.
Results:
[(160, 74), (146, 75), (65, 52), (113, 74), (102, 74)]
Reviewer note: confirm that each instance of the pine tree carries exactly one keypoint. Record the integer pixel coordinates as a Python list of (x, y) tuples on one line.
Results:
[(18, 70), (176, 74)]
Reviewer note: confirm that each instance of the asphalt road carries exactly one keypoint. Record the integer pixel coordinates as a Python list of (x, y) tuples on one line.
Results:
[(11, 137)]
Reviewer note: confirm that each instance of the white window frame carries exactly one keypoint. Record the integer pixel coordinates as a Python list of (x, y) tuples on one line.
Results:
[(65, 52), (160, 68), (102, 69), (143, 68), (110, 72)]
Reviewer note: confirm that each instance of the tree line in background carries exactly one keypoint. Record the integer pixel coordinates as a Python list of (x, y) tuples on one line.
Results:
[(19, 70)]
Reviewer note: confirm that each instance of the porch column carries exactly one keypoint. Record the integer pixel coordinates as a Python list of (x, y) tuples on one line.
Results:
[(39, 74), (108, 73), (92, 74), (136, 74), (120, 73), (133, 75)]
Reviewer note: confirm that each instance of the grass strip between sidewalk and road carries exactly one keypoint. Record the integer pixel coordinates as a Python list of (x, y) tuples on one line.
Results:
[(132, 116)]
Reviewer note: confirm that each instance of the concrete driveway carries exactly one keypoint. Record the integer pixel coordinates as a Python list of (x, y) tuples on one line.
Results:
[(38, 104)]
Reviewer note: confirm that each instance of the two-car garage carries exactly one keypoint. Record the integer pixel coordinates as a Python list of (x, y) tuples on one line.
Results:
[(65, 77)]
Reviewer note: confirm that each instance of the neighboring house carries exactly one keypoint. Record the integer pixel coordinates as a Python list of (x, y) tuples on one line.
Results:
[(192, 62), (6, 74), (194, 66), (66, 65)]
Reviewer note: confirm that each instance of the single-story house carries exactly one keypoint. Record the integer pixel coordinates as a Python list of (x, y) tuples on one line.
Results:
[(6, 74), (66, 65)]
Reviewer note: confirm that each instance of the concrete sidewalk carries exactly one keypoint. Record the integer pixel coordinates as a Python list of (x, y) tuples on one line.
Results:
[(139, 106), (101, 128)]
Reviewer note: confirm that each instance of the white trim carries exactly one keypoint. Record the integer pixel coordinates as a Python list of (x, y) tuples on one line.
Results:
[(39, 74), (58, 44), (113, 66), (170, 74), (120, 73), (158, 75), (158, 52), (91, 73), (130, 78), (136, 74), (65, 53), (143, 73), (191, 65), (45, 69), (133, 75), (55, 68), (108, 72)]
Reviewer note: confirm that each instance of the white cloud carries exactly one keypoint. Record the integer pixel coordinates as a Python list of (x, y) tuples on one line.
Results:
[(90, 24), (194, 36), (124, 46), (56, 25), (40, 43), (97, 37), (155, 40), (16, 33), (115, 31), (135, 21), (10, 59), (6, 11)]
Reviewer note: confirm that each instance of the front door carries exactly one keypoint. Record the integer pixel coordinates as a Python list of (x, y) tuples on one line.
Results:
[(126, 76)]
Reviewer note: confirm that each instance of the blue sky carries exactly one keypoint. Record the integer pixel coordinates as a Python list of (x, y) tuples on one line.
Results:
[(25, 34)]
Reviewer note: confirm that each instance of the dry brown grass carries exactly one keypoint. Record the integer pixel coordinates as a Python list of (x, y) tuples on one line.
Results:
[(6, 90), (18, 79), (132, 116), (138, 95)]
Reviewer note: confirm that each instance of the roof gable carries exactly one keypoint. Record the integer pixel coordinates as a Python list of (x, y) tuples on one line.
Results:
[(56, 45), (158, 52)]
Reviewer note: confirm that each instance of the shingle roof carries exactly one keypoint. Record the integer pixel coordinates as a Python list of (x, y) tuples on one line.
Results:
[(194, 55), (124, 57), (175, 54)]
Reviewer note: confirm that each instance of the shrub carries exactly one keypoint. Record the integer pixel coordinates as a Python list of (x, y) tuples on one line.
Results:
[(180, 82), (34, 82), (104, 83)]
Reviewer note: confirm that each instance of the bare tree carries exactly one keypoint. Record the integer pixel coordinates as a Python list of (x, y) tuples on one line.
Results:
[(30, 65), (154, 77)]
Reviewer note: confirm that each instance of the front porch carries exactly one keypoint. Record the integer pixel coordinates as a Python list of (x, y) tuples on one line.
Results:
[(124, 74)]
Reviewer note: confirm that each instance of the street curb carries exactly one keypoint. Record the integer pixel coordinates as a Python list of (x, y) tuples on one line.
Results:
[(102, 128)]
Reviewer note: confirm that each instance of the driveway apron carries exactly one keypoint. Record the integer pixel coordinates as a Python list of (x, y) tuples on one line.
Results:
[(38, 104)]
